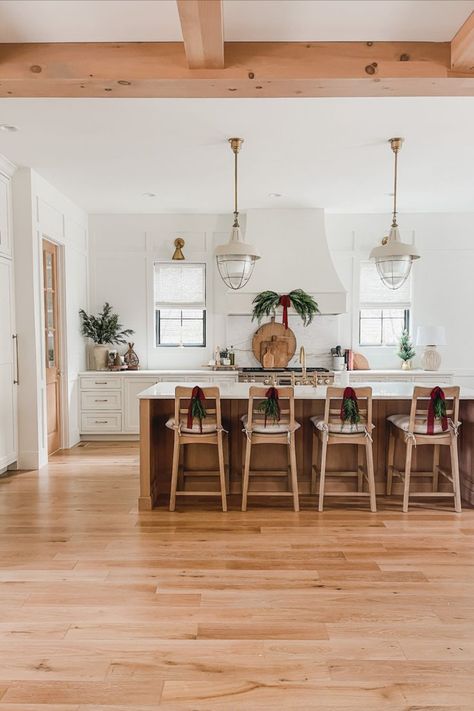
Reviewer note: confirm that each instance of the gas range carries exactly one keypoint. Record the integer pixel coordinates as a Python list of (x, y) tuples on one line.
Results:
[(285, 376)]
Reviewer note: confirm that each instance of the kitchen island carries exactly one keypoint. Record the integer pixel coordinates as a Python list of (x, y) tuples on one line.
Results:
[(389, 398)]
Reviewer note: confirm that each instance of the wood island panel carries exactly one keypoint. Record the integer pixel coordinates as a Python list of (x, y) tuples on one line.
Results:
[(156, 449)]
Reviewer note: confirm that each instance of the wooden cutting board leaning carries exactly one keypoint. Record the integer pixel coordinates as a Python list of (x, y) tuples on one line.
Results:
[(273, 345)]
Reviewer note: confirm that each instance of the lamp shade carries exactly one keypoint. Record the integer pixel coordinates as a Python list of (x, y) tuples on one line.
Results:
[(431, 336)]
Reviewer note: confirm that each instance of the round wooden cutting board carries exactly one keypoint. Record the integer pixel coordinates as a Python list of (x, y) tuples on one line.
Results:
[(274, 338)]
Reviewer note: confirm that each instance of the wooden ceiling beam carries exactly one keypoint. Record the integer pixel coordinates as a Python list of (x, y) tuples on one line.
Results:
[(203, 33), (268, 69), (462, 47)]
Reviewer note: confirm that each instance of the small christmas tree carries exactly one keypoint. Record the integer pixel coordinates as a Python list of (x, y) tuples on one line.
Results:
[(405, 349)]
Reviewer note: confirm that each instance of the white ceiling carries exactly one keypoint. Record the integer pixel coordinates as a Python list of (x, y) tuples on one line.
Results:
[(244, 20), (332, 153)]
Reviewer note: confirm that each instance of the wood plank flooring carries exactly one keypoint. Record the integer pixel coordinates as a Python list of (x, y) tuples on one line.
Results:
[(105, 608)]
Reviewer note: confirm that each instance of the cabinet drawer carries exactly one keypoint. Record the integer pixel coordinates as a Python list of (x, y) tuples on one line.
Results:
[(101, 400), (101, 422), (102, 382)]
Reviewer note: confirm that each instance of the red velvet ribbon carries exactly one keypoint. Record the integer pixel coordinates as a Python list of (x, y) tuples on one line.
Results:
[(286, 303), (197, 394), (436, 393), (271, 394), (349, 394)]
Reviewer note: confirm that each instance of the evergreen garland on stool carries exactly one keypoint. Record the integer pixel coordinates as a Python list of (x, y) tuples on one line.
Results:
[(270, 407), (196, 408), (350, 407), (436, 410)]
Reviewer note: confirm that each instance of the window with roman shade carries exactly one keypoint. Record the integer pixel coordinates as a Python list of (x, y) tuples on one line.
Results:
[(180, 304), (383, 313)]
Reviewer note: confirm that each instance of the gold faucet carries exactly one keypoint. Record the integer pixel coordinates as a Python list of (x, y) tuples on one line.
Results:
[(303, 364)]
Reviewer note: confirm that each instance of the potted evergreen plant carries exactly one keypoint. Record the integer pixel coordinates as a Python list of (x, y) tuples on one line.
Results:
[(405, 350), (103, 329)]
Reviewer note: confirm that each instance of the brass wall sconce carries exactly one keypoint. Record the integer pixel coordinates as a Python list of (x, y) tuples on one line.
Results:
[(179, 244)]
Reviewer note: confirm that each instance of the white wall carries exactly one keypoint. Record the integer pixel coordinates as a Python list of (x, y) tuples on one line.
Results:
[(42, 212), (123, 248)]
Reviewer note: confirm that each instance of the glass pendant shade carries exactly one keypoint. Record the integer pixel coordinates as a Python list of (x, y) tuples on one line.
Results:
[(236, 260), (393, 259)]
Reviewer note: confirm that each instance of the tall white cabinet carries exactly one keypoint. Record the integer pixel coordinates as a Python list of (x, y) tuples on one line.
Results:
[(8, 338)]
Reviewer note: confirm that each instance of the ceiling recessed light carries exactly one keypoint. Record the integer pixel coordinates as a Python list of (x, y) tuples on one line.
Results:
[(8, 128), (275, 195), (150, 195)]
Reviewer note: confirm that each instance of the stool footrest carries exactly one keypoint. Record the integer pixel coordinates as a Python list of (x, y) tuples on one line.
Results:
[(198, 493)]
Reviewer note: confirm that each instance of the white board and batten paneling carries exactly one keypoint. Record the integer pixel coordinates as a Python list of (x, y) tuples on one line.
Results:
[(109, 401), (8, 340)]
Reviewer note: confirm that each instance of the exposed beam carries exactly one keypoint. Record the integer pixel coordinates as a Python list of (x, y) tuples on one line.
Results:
[(268, 69), (462, 47), (203, 33)]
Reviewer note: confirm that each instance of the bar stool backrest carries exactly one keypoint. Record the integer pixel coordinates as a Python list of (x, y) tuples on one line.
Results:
[(332, 408), (182, 398), (286, 398), (420, 404)]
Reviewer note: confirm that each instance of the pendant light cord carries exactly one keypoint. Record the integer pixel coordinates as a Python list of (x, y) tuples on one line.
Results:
[(236, 211), (395, 176)]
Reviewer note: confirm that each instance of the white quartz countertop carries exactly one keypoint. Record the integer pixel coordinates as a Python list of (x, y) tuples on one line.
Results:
[(239, 391)]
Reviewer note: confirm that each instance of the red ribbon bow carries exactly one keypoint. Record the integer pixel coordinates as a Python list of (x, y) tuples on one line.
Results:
[(436, 394), (197, 394), (285, 301)]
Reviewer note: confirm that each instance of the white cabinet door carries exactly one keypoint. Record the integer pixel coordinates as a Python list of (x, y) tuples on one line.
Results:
[(131, 387), (5, 216), (8, 425)]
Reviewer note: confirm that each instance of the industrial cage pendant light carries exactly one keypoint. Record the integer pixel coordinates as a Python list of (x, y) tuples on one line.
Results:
[(393, 258), (236, 259)]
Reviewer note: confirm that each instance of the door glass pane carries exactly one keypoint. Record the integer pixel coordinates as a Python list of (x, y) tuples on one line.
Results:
[(49, 310), (49, 270), (51, 349)]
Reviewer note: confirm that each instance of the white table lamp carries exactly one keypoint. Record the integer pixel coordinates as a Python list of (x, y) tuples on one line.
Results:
[(430, 337)]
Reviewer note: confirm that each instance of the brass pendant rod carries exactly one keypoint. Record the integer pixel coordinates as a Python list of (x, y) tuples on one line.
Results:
[(395, 177), (236, 210)]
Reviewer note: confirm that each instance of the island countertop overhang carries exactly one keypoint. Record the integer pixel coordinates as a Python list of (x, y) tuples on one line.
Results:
[(240, 391)]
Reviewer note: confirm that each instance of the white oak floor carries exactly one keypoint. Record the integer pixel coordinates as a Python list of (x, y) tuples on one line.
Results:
[(105, 608)]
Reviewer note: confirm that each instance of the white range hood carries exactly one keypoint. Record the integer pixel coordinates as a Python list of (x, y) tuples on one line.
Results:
[(294, 255)]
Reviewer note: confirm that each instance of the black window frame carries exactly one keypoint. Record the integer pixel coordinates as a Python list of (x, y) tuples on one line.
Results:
[(159, 318), (406, 321)]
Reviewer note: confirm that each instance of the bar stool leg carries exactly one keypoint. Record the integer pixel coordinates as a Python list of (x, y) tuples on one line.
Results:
[(322, 472), (390, 461), (435, 466), (360, 470), (220, 454), (406, 488), (245, 482), (314, 461), (370, 475), (294, 477), (453, 448), (174, 472)]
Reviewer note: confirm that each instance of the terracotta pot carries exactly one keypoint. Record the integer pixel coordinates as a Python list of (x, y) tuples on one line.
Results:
[(100, 355)]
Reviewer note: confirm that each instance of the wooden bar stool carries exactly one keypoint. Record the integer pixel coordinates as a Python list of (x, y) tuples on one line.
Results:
[(207, 431), (329, 430), (414, 431), (259, 430)]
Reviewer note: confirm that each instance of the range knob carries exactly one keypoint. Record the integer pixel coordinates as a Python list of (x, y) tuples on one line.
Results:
[(327, 381), (320, 381)]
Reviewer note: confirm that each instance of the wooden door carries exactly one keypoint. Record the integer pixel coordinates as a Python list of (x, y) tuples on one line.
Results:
[(52, 345)]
